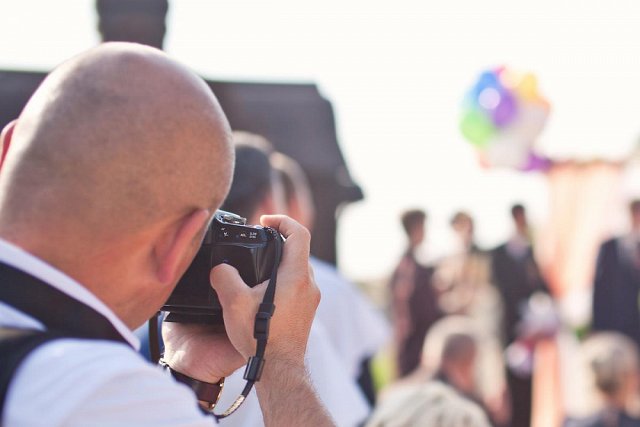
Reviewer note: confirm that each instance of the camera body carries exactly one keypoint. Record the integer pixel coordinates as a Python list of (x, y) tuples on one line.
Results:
[(251, 249)]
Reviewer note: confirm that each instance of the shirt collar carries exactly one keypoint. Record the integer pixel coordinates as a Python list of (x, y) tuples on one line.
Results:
[(22, 260)]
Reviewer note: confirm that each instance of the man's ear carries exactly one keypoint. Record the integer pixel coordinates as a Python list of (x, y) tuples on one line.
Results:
[(5, 139), (175, 248)]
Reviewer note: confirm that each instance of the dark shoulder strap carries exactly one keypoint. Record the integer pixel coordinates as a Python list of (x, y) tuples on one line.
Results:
[(62, 316), (56, 310), (15, 346)]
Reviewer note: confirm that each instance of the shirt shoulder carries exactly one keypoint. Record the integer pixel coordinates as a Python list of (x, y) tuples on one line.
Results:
[(75, 382)]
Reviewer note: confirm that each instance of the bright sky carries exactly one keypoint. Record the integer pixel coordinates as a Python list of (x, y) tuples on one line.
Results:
[(396, 73)]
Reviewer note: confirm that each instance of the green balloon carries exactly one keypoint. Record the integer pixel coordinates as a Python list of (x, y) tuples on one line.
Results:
[(477, 128)]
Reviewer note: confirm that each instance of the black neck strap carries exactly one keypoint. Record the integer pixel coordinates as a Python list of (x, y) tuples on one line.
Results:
[(253, 371), (59, 312)]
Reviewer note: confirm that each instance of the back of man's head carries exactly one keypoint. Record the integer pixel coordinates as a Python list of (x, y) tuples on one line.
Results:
[(614, 362), (411, 219), (427, 405), (461, 219), (517, 210), (253, 177), (450, 340), (116, 142), (459, 351)]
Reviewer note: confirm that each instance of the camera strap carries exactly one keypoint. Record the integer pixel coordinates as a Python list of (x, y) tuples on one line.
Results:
[(61, 315), (266, 309), (59, 312)]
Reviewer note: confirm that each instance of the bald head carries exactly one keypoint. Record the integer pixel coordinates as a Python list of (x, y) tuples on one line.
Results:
[(115, 140)]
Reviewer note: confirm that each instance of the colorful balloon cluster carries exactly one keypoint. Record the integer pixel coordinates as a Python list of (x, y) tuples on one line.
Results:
[(503, 115)]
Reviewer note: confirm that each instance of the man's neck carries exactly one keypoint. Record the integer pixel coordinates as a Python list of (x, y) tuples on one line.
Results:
[(36, 266), (92, 267)]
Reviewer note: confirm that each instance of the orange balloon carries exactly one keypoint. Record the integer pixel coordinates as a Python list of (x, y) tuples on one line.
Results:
[(528, 87)]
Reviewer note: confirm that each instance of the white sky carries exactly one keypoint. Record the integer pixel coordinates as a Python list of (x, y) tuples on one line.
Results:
[(396, 73)]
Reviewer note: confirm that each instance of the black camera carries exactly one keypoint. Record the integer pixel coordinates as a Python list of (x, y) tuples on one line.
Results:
[(251, 249)]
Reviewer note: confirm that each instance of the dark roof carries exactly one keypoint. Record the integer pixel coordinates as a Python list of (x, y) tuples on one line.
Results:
[(296, 118)]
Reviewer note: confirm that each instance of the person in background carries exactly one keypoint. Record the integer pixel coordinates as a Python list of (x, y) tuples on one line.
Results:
[(616, 285), (355, 327), (612, 359), (517, 277), (463, 279), (449, 358), (414, 306), (257, 190), (464, 227), (428, 405)]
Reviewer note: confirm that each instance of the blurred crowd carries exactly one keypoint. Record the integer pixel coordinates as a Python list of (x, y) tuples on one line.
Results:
[(472, 322), (467, 321)]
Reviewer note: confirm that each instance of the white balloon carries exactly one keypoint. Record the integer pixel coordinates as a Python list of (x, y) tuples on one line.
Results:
[(512, 144), (508, 149)]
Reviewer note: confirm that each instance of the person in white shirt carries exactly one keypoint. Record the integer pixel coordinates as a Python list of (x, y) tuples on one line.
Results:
[(355, 327), (108, 180), (256, 190)]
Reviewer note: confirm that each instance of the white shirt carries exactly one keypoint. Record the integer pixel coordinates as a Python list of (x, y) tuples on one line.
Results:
[(518, 246), (355, 327), (73, 382)]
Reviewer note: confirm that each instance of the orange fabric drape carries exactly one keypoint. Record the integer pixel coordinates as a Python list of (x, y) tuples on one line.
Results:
[(582, 199)]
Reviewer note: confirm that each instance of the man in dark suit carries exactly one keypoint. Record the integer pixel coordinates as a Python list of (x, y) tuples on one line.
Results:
[(517, 277), (617, 282), (414, 299)]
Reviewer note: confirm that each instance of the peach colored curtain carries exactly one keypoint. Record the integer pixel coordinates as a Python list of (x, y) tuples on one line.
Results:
[(582, 198)]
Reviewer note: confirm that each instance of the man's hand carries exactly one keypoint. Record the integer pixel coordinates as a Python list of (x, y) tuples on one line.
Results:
[(206, 353), (285, 392), (296, 300), (202, 352)]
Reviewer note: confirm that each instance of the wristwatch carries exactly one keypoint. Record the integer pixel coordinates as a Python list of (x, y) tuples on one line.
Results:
[(207, 394)]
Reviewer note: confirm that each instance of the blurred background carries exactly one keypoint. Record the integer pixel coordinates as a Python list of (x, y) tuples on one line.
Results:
[(396, 74), (391, 86)]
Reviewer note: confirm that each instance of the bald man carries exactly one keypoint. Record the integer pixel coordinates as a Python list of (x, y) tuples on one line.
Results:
[(108, 180)]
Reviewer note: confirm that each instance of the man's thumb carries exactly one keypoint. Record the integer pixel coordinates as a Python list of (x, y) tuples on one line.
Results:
[(227, 282)]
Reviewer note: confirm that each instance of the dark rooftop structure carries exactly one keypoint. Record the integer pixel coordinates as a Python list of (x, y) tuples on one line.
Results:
[(296, 118)]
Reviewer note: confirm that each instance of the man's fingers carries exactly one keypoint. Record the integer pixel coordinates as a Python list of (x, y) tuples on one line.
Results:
[(285, 225), (298, 237)]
